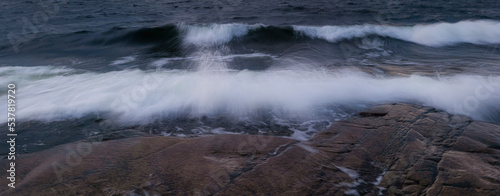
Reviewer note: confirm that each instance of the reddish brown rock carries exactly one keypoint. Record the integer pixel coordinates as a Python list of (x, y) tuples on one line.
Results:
[(397, 149)]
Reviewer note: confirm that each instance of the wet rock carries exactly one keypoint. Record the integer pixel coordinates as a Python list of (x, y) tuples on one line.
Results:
[(395, 149)]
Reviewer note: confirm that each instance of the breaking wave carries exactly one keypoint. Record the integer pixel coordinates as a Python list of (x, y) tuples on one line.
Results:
[(134, 96), (481, 32)]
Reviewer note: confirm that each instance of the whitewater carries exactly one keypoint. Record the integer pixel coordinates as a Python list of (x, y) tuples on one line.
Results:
[(290, 87), (480, 32), (136, 96)]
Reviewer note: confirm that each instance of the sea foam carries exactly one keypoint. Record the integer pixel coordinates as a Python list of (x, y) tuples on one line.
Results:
[(136, 96), (480, 32)]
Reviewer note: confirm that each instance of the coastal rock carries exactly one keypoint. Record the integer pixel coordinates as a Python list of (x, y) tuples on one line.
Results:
[(396, 149)]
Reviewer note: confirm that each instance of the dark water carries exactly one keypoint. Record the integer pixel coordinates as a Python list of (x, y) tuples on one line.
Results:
[(92, 68)]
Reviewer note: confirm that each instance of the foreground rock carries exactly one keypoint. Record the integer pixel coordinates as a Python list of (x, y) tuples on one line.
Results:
[(395, 149)]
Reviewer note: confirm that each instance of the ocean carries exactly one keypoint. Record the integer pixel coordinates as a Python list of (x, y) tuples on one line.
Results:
[(84, 69)]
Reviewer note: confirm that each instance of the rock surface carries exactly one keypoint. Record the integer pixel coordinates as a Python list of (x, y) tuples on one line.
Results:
[(397, 149)]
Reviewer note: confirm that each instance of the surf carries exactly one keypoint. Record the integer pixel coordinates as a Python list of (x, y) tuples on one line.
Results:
[(137, 96)]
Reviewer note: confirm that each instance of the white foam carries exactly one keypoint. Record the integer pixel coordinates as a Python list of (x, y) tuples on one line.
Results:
[(481, 32), (250, 55), (209, 56), (214, 33), (351, 173), (50, 93), (299, 135), (123, 60), (438, 34), (379, 178), (351, 192)]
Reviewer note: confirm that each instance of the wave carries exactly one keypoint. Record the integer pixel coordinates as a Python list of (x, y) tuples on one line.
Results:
[(175, 39), (479, 32), (133, 96), (166, 33), (214, 33)]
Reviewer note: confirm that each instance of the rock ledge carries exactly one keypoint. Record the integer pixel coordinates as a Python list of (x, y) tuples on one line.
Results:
[(397, 149)]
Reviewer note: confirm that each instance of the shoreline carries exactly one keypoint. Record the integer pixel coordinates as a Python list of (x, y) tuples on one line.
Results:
[(389, 149)]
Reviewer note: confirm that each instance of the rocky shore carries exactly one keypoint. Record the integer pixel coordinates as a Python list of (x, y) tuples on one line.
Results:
[(396, 149)]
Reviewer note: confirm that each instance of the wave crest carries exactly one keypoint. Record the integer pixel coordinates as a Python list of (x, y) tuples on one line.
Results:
[(481, 32)]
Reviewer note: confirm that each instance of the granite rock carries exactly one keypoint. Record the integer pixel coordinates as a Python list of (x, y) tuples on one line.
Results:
[(394, 149)]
